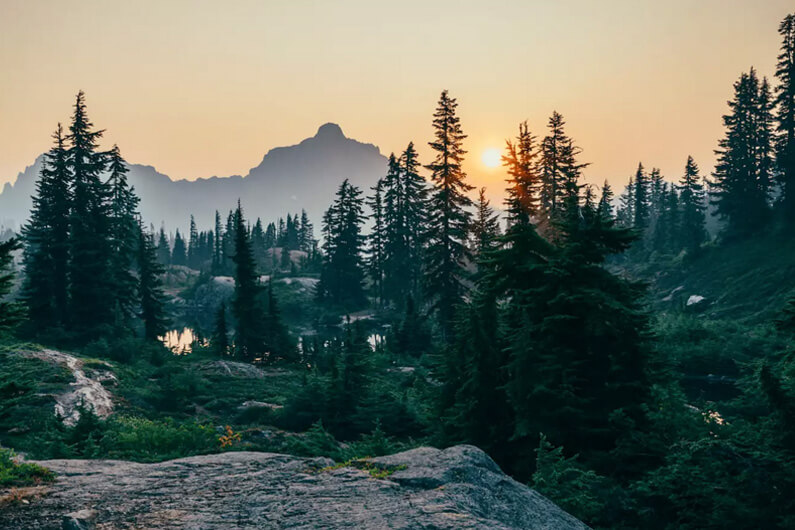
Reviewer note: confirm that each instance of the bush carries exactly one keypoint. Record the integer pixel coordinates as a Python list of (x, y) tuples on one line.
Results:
[(147, 440), (13, 473)]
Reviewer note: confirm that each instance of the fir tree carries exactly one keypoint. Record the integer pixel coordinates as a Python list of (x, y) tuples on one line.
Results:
[(376, 240), (342, 273), (414, 217), (785, 117), (124, 235), (306, 236), (741, 178), (163, 249), (558, 168), (605, 207), (11, 313), (90, 274), (218, 253), (250, 339), (279, 342), (150, 287), (179, 254), (641, 200), (485, 226), (46, 238), (692, 204), (193, 246), (448, 225)]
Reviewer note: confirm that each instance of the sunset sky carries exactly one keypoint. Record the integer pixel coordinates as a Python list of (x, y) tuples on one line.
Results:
[(206, 88)]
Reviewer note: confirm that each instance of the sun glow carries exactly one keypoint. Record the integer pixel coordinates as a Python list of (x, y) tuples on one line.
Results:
[(491, 157)]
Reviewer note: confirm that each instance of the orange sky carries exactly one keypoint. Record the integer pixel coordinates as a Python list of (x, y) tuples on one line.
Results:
[(200, 88)]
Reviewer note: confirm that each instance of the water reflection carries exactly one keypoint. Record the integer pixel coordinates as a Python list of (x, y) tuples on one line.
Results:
[(179, 341)]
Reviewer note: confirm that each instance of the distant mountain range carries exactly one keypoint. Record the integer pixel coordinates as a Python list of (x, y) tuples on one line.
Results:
[(288, 179)]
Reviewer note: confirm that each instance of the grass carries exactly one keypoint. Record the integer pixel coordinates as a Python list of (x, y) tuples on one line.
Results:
[(375, 470)]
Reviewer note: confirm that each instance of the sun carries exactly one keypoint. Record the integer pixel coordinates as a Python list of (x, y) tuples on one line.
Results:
[(491, 157)]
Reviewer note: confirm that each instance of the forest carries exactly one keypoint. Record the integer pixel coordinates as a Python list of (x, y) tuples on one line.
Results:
[(630, 354)]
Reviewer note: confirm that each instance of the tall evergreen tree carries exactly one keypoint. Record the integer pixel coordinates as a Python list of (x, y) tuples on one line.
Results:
[(10, 312), (605, 207), (785, 117), (641, 200), (740, 184), (278, 338), (376, 241), (124, 235), (179, 255), (90, 274), (558, 169), (150, 287), (163, 248), (220, 338), (485, 226), (193, 245), (692, 204), (46, 236), (218, 252), (306, 236), (250, 339), (448, 224), (342, 273)]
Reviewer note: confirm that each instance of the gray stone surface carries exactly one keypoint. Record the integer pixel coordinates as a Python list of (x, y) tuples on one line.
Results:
[(456, 488)]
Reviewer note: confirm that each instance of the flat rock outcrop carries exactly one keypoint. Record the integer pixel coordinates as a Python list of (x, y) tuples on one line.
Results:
[(456, 488)]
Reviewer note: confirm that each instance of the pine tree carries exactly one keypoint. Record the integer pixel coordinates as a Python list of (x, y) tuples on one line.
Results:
[(46, 237), (218, 253), (90, 275), (124, 235), (739, 188), (250, 339), (220, 338), (342, 273), (306, 236), (163, 249), (558, 168), (150, 287), (11, 313), (179, 254), (193, 246), (376, 240), (785, 117), (692, 204), (448, 224), (605, 207), (625, 215), (414, 218), (485, 226), (641, 200)]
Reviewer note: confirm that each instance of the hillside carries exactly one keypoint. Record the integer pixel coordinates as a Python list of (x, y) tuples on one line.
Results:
[(287, 179)]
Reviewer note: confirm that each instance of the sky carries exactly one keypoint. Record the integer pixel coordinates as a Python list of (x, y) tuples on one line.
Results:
[(202, 88)]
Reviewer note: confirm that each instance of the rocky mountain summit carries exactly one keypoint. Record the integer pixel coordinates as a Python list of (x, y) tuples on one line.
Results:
[(459, 487)]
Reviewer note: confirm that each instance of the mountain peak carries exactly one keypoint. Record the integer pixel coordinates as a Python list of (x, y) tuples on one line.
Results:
[(329, 130)]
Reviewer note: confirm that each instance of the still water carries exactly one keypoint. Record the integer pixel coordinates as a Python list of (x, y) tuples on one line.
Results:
[(179, 341)]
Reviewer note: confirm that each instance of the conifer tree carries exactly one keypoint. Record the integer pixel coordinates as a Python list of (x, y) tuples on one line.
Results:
[(306, 236), (641, 201), (376, 241), (124, 235), (193, 245), (279, 342), (11, 313), (692, 204), (740, 182), (414, 216), (605, 207), (46, 237), (163, 249), (250, 339), (150, 287), (558, 168), (90, 275), (218, 253), (625, 215), (485, 226), (785, 117), (448, 224), (342, 273), (179, 252)]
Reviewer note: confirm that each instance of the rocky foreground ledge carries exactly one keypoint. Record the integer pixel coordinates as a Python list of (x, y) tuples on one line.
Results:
[(459, 487)]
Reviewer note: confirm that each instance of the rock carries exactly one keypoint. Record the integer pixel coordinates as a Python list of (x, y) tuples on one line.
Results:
[(80, 520), (455, 488)]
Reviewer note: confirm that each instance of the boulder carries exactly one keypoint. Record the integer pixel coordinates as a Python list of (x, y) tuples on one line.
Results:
[(455, 488)]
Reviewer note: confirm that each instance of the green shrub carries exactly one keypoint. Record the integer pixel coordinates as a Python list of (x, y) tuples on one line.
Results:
[(147, 440), (13, 473)]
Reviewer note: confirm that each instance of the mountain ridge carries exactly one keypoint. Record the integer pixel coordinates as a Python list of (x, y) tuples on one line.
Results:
[(287, 179)]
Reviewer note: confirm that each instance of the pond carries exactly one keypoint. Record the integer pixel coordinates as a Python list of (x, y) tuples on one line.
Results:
[(180, 342)]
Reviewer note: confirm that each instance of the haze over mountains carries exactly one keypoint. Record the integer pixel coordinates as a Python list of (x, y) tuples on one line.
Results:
[(288, 179)]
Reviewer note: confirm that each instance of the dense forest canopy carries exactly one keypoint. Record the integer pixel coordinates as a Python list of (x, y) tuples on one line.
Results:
[(553, 336)]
